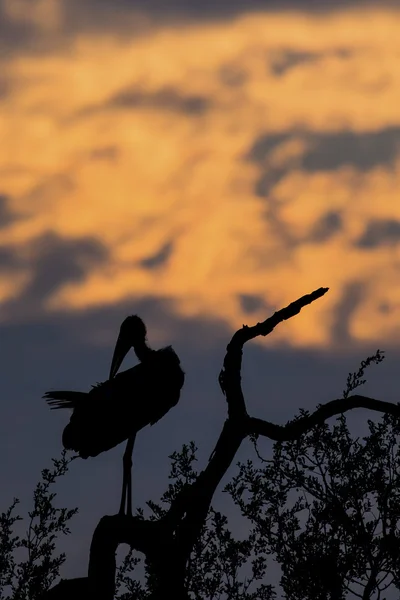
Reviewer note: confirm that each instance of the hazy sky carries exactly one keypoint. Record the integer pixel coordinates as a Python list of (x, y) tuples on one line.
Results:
[(202, 168)]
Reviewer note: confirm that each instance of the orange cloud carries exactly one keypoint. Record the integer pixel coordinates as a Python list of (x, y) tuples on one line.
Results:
[(258, 157)]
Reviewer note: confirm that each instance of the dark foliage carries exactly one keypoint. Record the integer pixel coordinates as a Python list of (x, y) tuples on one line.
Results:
[(39, 565)]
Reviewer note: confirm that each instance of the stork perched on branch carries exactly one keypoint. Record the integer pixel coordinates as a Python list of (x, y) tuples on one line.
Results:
[(118, 408)]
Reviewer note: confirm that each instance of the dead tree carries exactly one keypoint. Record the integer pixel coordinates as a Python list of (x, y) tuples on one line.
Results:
[(168, 542)]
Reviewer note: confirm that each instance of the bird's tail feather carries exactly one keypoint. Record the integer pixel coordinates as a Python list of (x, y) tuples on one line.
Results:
[(64, 399)]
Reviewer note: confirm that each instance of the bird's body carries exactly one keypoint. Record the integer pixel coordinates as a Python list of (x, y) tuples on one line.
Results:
[(119, 407), (115, 410)]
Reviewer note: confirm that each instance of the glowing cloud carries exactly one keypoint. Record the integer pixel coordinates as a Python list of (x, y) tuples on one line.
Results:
[(258, 157)]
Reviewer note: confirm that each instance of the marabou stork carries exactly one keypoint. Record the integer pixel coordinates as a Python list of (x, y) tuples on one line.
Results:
[(118, 408)]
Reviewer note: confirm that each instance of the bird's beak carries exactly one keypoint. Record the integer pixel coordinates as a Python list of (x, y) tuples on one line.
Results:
[(122, 348)]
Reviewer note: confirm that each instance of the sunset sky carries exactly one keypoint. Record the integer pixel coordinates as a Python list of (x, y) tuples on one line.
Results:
[(201, 166)]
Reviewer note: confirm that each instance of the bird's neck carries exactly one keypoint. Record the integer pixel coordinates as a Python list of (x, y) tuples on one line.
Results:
[(142, 350)]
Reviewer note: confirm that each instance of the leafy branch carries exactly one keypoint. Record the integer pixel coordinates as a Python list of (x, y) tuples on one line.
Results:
[(34, 574)]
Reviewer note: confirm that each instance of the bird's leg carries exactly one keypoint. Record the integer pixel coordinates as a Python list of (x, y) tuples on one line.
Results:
[(121, 511), (128, 458), (127, 478)]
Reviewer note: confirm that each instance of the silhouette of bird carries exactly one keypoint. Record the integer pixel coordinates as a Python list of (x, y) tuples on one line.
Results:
[(116, 409)]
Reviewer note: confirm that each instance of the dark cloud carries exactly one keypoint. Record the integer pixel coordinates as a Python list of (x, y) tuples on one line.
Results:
[(13, 33), (380, 233), (189, 10), (7, 216), (288, 59), (57, 261), (166, 99), (133, 18), (283, 61), (326, 227), (251, 303), (10, 261), (324, 152), (351, 299), (52, 262), (159, 258), (363, 151), (265, 145), (268, 180), (19, 36), (331, 151)]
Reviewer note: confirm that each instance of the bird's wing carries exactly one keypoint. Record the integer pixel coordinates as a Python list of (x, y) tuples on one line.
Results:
[(122, 382)]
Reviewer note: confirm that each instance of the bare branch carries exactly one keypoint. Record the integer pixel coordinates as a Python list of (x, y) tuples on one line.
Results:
[(229, 377), (199, 498), (294, 429)]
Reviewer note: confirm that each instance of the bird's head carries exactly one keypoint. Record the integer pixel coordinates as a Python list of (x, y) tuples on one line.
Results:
[(132, 332)]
